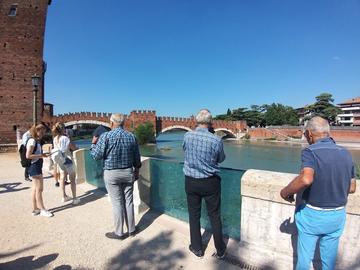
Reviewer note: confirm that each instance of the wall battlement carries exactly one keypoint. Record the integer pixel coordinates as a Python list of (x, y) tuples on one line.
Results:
[(137, 117)]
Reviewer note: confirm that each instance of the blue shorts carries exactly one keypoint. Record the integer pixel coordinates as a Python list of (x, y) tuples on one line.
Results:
[(36, 168)]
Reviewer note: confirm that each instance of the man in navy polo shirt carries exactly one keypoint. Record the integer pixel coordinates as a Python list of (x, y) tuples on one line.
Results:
[(327, 177)]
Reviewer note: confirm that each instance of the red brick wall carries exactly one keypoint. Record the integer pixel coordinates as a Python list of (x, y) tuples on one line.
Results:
[(135, 118), (341, 135), (346, 135), (21, 56)]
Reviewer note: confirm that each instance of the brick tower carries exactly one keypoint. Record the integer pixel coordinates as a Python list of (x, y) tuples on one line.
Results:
[(22, 27)]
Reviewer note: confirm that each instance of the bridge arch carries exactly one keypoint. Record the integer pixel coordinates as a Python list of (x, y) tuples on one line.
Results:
[(94, 122), (228, 132), (175, 127)]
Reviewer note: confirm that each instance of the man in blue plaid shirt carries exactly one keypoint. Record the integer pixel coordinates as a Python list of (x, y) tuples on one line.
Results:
[(120, 152), (203, 153)]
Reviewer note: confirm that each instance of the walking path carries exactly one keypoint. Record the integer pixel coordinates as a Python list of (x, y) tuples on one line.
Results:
[(74, 237)]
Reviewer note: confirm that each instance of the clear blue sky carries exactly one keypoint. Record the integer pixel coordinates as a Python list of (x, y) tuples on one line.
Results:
[(177, 56)]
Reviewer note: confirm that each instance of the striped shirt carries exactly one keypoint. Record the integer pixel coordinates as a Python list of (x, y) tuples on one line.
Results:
[(203, 153), (118, 148)]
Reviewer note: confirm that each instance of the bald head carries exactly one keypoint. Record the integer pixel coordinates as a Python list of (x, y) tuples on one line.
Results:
[(318, 125)]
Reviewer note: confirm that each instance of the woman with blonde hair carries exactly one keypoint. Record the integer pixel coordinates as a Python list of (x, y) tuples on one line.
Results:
[(34, 153), (64, 162)]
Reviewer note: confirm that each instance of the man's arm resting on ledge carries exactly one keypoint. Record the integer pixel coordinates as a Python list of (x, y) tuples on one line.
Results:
[(303, 180), (352, 186)]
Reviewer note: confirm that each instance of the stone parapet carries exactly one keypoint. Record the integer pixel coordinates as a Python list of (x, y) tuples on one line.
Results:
[(268, 231)]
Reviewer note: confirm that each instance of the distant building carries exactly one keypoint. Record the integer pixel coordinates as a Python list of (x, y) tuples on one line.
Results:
[(21, 56), (350, 115), (302, 113)]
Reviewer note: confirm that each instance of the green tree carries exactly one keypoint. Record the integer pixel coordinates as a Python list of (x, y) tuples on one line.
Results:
[(239, 114), (145, 133), (279, 114), (274, 114), (324, 107)]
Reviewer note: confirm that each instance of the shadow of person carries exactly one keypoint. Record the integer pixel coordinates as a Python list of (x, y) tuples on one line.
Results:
[(12, 253), (87, 197), (289, 227), (28, 262), (63, 267), (147, 219), (11, 187), (141, 254)]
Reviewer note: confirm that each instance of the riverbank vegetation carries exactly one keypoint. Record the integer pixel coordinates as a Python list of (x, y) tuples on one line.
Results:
[(145, 133), (265, 115), (277, 114)]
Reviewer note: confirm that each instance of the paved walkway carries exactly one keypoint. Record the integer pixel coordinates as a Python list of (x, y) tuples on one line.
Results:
[(74, 237)]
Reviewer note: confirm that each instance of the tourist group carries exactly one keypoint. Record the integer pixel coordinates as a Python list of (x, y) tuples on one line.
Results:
[(326, 178)]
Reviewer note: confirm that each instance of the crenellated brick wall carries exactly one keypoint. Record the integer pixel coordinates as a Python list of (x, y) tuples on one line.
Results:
[(137, 117)]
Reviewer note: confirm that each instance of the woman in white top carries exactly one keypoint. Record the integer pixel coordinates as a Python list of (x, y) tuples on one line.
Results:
[(65, 164), (34, 153)]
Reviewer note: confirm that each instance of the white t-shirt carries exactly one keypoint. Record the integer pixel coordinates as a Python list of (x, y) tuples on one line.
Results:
[(62, 144), (25, 137), (32, 142)]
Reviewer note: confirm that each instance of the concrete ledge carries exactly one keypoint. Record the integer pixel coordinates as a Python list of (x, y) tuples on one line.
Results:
[(268, 230), (266, 185)]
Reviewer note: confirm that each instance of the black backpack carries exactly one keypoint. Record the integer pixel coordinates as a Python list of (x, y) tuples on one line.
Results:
[(25, 163)]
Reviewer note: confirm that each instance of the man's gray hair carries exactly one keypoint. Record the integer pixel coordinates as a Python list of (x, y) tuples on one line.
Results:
[(203, 117), (318, 124), (117, 118)]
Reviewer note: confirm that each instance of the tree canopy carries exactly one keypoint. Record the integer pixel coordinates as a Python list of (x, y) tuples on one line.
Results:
[(145, 133), (324, 107), (264, 115)]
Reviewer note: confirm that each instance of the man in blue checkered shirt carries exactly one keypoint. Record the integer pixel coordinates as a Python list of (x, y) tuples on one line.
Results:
[(203, 153), (120, 152)]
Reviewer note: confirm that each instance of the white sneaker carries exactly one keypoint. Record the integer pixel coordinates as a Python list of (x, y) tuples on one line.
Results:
[(66, 199), (35, 212), (46, 213), (76, 201)]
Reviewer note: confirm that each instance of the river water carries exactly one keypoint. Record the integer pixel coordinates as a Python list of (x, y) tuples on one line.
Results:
[(263, 155)]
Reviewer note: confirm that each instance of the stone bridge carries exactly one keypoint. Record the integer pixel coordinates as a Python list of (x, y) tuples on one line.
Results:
[(135, 118)]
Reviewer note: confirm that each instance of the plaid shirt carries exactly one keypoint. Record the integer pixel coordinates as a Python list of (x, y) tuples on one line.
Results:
[(118, 148), (203, 152)]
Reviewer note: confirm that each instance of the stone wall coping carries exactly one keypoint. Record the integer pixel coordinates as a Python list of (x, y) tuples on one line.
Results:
[(266, 185)]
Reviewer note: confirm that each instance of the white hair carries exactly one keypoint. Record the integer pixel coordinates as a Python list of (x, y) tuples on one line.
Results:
[(318, 124), (204, 117), (117, 118)]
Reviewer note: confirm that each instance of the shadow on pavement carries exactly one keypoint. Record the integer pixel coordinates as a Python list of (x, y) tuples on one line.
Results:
[(11, 187), (147, 219), (87, 197), (4, 255), (155, 253), (29, 263), (68, 267)]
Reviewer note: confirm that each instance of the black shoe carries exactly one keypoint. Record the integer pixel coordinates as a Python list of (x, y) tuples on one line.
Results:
[(220, 255), (28, 179), (57, 184), (199, 253), (113, 235), (67, 182), (135, 232)]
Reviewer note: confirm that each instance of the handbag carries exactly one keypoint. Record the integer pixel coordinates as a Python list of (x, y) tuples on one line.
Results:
[(59, 158)]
